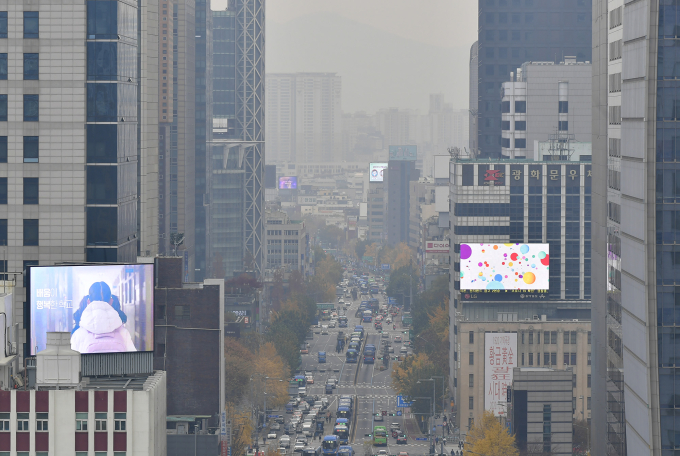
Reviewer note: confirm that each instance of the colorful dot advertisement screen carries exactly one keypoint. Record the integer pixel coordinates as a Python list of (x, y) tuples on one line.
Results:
[(504, 267)]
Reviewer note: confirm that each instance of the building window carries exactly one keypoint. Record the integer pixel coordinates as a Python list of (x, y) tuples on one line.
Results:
[(471, 359), (531, 337), (531, 359), (22, 422), (505, 107), (521, 125), (3, 108), (81, 421), (119, 421), (31, 149), (471, 337), (4, 421), (520, 107), (41, 421), (182, 312), (31, 186), (31, 232), (553, 359), (573, 337), (589, 359), (505, 125), (31, 108), (471, 380), (563, 125), (31, 67), (3, 24), (3, 66), (546, 337), (31, 24), (520, 143), (100, 421), (505, 142), (563, 107), (471, 402), (566, 337), (546, 358), (588, 380), (3, 191), (588, 403), (522, 364)]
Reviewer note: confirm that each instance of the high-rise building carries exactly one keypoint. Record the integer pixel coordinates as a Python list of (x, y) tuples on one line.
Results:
[(176, 133), (474, 101), (400, 173), (80, 156), (513, 32), (635, 274), (304, 117), (545, 101)]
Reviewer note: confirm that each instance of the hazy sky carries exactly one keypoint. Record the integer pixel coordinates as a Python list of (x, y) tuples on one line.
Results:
[(389, 53)]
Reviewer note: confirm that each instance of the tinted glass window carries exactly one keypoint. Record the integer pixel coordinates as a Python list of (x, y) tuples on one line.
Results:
[(520, 143), (102, 184), (3, 24), (102, 143), (31, 66), (3, 149), (3, 108), (563, 107), (520, 125), (102, 225), (3, 66), (102, 61), (31, 186), (102, 102), (31, 231), (31, 149), (505, 125), (102, 255), (31, 108), (563, 125), (505, 107), (31, 22), (521, 106), (3, 190), (3, 233), (102, 19)]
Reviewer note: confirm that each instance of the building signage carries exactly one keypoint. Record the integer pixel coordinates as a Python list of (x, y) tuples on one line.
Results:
[(491, 177), (437, 246), (500, 358), (385, 267), (403, 153)]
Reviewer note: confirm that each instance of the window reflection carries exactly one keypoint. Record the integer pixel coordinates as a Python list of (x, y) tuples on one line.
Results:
[(102, 19), (31, 108), (31, 66), (102, 184), (3, 66), (102, 102), (102, 143), (102, 225), (31, 23), (31, 149)]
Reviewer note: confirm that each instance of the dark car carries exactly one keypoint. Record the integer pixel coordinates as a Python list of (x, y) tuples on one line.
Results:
[(329, 388), (402, 439)]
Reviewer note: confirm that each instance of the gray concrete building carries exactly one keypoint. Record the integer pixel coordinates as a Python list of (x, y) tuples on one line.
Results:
[(376, 211), (542, 408), (545, 99), (474, 101), (400, 173)]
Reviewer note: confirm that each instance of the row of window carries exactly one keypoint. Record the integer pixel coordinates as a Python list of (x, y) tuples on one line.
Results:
[(31, 24), (520, 143), (30, 106), (31, 186), (520, 107), (41, 422), (31, 66), (31, 232)]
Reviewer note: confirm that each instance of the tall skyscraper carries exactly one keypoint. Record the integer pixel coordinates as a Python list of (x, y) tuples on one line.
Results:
[(304, 117), (401, 170), (518, 31), (92, 106), (635, 254), (474, 101)]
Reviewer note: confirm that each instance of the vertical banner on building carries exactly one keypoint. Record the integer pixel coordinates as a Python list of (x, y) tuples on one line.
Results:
[(499, 359), (225, 435)]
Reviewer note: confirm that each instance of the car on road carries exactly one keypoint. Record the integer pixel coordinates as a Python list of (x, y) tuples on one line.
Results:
[(283, 450), (309, 379), (397, 339), (299, 446), (402, 439), (271, 435), (333, 381), (331, 324), (385, 336), (324, 329), (390, 349), (303, 349), (403, 351), (275, 427), (302, 391), (378, 417), (382, 453), (402, 453)]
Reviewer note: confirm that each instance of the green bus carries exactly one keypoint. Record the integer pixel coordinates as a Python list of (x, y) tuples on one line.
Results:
[(380, 435)]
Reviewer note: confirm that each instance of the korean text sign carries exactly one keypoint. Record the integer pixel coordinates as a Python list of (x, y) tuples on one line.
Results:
[(106, 308), (500, 357)]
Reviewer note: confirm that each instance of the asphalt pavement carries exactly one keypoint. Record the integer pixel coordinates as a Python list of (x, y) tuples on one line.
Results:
[(371, 386)]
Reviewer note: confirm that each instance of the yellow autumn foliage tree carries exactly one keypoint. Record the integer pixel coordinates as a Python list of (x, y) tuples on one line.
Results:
[(490, 438), (270, 375), (241, 428)]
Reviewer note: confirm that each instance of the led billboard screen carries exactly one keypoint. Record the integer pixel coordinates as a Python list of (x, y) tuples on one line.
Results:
[(376, 172), (106, 308), (508, 270), (288, 183)]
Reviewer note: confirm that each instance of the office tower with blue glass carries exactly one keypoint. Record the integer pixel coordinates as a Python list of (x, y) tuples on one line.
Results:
[(511, 32), (77, 111), (636, 278)]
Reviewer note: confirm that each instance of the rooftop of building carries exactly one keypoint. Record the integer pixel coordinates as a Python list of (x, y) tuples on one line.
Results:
[(136, 383)]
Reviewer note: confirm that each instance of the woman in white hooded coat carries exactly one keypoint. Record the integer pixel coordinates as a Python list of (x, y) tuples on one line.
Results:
[(101, 328)]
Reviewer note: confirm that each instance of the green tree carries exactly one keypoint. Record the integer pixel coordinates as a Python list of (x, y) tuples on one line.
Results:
[(319, 254), (360, 248), (331, 234), (405, 380), (490, 438), (402, 282), (426, 302)]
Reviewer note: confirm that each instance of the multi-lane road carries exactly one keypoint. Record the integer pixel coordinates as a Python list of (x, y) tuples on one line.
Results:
[(371, 386)]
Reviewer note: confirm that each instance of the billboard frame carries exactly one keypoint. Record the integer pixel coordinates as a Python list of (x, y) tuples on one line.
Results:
[(29, 304), (278, 182), (371, 166)]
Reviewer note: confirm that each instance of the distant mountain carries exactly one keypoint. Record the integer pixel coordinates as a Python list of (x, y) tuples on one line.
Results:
[(378, 69)]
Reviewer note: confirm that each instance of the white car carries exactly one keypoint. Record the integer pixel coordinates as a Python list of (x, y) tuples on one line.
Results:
[(331, 324), (271, 435), (324, 329), (284, 441), (378, 417), (283, 450), (299, 446)]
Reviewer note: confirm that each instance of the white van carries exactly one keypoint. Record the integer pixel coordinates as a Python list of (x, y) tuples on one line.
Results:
[(308, 429)]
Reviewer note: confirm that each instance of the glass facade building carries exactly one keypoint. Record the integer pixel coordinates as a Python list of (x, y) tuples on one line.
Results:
[(512, 32), (111, 115)]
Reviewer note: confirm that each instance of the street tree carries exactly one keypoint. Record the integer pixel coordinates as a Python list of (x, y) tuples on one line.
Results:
[(490, 438)]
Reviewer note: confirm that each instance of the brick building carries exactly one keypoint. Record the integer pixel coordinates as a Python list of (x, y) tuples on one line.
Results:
[(189, 323)]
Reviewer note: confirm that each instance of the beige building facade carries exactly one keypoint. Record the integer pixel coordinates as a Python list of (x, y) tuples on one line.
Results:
[(553, 344)]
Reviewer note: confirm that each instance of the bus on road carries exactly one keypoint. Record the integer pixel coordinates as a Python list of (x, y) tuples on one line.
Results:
[(379, 435), (351, 356), (311, 451), (369, 354), (343, 434), (367, 316), (329, 446), (346, 450)]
